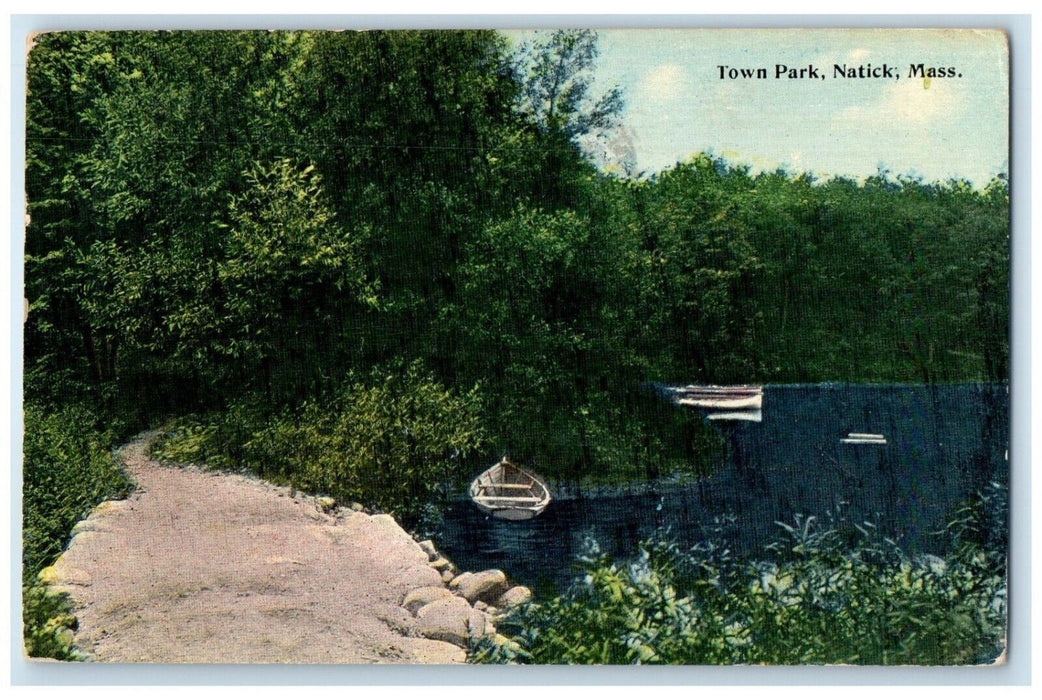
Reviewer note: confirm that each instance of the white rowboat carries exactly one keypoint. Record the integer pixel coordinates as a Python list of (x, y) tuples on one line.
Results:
[(721, 398), (744, 403), (507, 491)]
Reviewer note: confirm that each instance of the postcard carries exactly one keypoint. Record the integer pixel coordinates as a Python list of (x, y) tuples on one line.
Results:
[(532, 347)]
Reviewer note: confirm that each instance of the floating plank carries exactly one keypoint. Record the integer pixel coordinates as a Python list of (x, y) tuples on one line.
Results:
[(863, 441)]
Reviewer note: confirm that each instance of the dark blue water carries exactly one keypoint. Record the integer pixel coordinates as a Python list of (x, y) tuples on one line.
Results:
[(943, 444)]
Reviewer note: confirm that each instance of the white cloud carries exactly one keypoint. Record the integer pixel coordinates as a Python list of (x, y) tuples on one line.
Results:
[(678, 104), (664, 82), (921, 101), (907, 102)]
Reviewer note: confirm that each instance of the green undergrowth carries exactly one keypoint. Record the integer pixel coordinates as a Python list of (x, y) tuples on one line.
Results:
[(49, 625), (68, 468), (829, 593), (391, 440)]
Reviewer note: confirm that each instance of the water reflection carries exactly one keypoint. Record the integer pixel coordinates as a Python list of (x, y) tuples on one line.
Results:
[(942, 444)]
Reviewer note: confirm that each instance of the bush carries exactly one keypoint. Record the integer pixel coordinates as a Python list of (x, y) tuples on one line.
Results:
[(67, 469), (390, 441), (48, 625), (821, 600)]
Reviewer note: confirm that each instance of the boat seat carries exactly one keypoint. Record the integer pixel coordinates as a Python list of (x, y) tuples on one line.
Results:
[(514, 499)]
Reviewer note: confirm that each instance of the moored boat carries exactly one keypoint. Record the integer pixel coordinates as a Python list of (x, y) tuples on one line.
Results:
[(510, 492), (721, 398)]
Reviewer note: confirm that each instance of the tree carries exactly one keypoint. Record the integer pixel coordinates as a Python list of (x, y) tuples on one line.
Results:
[(404, 127), (286, 285), (568, 128), (392, 438), (134, 140), (703, 273), (556, 73)]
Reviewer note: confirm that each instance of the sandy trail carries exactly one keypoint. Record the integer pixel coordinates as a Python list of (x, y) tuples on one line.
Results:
[(202, 567)]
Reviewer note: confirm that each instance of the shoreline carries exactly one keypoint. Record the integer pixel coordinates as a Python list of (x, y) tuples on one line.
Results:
[(210, 567)]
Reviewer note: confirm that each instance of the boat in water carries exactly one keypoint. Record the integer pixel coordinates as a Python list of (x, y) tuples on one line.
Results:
[(720, 398), (510, 492)]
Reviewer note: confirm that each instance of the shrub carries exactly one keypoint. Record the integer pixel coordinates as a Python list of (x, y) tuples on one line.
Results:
[(67, 469), (820, 600), (48, 625), (390, 441)]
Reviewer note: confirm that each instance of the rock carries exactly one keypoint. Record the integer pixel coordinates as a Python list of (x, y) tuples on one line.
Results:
[(326, 504), (398, 619), (420, 597), (386, 523), (450, 620), (428, 548), (518, 595), (430, 651), (357, 507), (86, 525), (460, 580), (447, 576), (483, 585), (95, 521), (481, 605), (442, 564), (75, 577), (85, 536)]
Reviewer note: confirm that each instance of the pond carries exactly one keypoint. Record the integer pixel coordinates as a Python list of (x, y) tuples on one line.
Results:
[(943, 443)]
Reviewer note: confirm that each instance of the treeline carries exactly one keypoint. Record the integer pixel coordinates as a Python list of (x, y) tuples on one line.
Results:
[(257, 224)]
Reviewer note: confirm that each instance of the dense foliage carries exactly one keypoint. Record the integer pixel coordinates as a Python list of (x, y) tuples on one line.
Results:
[(391, 442), (229, 217), (49, 625), (831, 593), (67, 470)]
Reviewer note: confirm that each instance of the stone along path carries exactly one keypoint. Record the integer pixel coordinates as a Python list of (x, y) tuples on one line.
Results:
[(215, 568)]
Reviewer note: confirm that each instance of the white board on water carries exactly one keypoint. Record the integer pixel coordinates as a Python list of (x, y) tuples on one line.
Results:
[(754, 416)]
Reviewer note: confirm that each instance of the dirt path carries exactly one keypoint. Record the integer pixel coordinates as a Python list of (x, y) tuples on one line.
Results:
[(214, 568)]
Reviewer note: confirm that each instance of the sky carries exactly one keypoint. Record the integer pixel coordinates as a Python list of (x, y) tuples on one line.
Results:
[(677, 105)]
